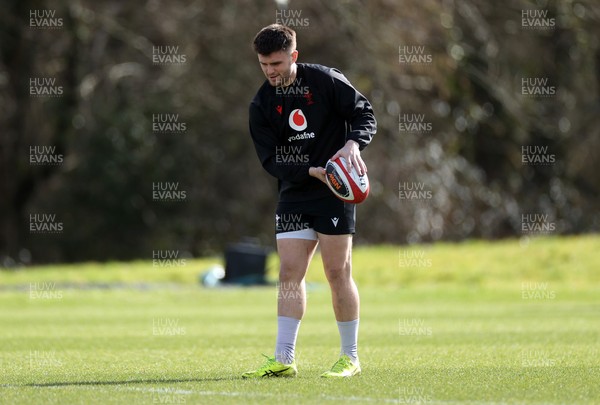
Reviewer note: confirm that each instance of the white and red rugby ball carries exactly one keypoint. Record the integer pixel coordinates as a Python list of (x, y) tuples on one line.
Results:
[(347, 186)]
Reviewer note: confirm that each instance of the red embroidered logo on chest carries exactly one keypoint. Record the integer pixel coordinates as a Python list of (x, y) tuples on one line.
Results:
[(279, 109), (309, 98)]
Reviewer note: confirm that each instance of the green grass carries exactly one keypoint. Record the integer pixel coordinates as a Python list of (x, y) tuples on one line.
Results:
[(571, 262), (460, 327)]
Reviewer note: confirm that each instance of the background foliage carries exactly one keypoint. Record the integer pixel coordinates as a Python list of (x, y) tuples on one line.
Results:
[(470, 93)]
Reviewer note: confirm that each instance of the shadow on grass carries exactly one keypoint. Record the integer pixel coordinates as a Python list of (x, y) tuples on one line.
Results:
[(144, 381)]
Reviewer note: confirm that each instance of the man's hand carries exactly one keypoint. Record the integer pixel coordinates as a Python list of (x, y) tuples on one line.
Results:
[(317, 172), (351, 153)]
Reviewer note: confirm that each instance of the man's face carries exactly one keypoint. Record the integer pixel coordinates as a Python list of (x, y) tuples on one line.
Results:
[(278, 66)]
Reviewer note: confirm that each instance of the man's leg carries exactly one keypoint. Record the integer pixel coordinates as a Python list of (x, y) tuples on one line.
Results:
[(295, 256), (336, 252)]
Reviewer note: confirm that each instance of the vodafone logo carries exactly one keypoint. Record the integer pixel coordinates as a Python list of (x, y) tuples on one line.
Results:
[(297, 120)]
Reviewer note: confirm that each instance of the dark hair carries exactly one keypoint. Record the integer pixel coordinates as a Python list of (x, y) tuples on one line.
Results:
[(273, 38)]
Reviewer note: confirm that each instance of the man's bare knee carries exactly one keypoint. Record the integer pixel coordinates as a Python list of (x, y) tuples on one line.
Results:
[(338, 274), (291, 273)]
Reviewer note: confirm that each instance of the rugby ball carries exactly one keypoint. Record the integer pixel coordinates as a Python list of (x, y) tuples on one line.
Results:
[(347, 186)]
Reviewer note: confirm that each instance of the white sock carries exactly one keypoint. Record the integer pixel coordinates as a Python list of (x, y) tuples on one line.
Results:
[(287, 332), (349, 339)]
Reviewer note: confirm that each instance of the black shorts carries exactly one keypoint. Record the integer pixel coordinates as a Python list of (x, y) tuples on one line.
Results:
[(302, 220)]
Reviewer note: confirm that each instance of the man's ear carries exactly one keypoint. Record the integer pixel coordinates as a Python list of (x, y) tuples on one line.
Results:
[(294, 56)]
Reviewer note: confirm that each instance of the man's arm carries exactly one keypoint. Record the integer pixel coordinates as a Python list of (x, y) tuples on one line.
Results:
[(355, 108), (265, 143), (358, 113)]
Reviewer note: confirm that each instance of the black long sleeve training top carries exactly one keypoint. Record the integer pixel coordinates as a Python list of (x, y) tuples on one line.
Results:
[(305, 124)]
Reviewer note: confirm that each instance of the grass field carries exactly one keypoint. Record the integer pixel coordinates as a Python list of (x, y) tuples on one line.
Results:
[(508, 322)]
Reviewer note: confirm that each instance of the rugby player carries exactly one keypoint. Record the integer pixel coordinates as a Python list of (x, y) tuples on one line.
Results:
[(303, 115)]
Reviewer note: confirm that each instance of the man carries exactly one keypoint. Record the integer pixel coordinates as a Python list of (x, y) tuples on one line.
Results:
[(303, 115)]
